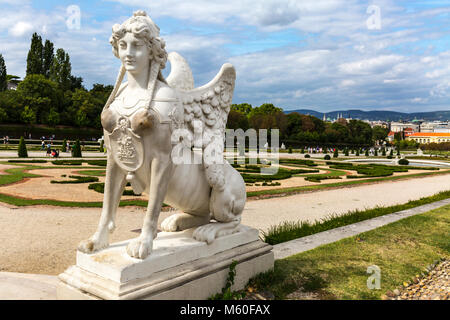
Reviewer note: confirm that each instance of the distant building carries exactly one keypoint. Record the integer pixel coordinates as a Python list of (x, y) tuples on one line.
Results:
[(400, 126), (433, 126), (430, 137)]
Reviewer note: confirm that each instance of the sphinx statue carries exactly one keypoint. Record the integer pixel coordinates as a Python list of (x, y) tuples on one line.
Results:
[(166, 138)]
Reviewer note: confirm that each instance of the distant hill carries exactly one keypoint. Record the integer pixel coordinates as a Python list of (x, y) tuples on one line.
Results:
[(379, 115)]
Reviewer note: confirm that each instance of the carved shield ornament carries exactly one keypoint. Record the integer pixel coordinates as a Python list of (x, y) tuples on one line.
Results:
[(126, 146)]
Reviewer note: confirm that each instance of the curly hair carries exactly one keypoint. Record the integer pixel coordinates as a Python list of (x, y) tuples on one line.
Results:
[(144, 28)]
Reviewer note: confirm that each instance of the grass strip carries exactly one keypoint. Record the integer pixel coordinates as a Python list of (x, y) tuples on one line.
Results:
[(293, 230), (339, 270), (95, 173)]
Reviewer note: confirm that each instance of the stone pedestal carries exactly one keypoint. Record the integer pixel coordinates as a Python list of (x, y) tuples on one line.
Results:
[(178, 268)]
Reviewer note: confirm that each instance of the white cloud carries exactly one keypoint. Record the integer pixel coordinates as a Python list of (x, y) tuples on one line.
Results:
[(368, 66), (20, 28)]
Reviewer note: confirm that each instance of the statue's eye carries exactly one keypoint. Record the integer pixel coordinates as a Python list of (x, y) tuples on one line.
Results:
[(122, 45)]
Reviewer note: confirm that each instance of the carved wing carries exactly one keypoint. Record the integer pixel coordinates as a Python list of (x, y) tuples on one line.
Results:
[(210, 104), (180, 76), (206, 111)]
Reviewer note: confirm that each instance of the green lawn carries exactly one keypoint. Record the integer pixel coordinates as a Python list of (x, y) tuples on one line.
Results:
[(339, 270), (293, 230)]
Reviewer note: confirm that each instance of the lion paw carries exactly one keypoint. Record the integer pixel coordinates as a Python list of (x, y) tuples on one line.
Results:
[(170, 223), (92, 244), (139, 248), (209, 232)]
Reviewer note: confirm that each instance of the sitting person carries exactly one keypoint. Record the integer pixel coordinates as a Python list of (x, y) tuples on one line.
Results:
[(55, 153)]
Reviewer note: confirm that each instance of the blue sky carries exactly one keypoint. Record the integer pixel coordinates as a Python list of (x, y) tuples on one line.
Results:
[(317, 54)]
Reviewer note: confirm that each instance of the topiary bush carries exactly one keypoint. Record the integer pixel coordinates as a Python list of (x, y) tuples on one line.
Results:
[(366, 153), (335, 153), (307, 156), (22, 151), (77, 179), (76, 150), (327, 157), (64, 146), (403, 162)]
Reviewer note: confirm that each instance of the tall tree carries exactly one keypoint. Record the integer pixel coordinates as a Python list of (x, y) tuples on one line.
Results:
[(3, 75), (61, 69), (35, 55), (47, 58)]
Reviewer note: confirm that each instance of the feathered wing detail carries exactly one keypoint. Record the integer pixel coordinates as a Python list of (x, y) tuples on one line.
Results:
[(205, 116), (180, 76)]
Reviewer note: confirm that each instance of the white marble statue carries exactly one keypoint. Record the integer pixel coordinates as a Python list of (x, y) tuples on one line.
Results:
[(145, 119)]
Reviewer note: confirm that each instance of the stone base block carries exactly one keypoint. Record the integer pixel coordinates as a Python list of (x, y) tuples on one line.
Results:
[(178, 268)]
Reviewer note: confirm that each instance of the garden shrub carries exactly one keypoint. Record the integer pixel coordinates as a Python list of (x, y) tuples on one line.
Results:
[(27, 161), (22, 151), (101, 163), (64, 146), (335, 153), (77, 179), (307, 156), (68, 162), (76, 149), (327, 157), (100, 188), (309, 163), (403, 162)]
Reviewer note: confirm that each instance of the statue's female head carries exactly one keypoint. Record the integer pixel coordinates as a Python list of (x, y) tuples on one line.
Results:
[(137, 44), (141, 27)]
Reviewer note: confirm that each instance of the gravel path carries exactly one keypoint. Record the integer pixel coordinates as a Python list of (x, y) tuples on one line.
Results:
[(434, 286), (262, 214), (43, 239)]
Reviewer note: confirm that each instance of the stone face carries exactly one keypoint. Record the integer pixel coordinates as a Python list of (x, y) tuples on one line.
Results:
[(179, 268)]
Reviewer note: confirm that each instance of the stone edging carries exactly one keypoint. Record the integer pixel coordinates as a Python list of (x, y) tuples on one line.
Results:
[(295, 246)]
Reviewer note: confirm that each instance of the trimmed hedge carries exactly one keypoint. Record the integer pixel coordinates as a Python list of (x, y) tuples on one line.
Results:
[(77, 179), (28, 161), (22, 151), (309, 163), (67, 162), (100, 163), (100, 188)]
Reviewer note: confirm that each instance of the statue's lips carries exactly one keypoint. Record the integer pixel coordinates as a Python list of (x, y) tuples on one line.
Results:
[(130, 61)]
